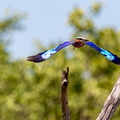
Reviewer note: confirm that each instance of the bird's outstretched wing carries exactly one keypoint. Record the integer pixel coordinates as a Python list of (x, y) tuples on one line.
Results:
[(48, 53), (110, 56)]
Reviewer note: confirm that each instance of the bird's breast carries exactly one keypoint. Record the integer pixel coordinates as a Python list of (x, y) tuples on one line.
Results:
[(78, 44)]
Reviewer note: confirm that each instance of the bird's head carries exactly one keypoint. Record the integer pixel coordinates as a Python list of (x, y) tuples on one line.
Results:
[(79, 41)]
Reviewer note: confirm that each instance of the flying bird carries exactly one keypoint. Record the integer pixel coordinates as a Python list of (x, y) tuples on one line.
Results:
[(110, 56), (76, 42)]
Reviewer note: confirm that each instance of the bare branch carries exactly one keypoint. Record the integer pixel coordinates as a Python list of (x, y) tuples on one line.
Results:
[(64, 97), (111, 103)]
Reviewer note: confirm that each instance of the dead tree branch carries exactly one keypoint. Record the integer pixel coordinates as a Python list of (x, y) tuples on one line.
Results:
[(111, 103), (64, 96)]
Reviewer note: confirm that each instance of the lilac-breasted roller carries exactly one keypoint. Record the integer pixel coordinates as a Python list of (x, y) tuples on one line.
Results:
[(77, 42)]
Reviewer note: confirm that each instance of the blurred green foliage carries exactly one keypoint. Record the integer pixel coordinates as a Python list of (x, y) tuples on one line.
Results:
[(30, 91)]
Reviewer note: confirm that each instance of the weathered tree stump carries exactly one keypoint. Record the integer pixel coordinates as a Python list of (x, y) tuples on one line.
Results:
[(64, 96), (111, 103)]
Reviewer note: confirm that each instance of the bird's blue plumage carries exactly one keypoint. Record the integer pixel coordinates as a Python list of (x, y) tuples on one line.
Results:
[(59, 47), (48, 53), (110, 56)]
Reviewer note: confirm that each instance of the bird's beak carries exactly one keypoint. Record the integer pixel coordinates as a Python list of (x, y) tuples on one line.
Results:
[(85, 40)]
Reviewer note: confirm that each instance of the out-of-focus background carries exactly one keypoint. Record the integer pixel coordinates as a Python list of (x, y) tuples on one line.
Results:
[(30, 91)]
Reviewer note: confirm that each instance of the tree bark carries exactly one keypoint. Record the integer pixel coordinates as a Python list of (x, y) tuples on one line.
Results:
[(111, 103), (64, 96)]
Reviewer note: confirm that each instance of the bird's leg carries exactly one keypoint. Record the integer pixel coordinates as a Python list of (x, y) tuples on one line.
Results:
[(73, 48)]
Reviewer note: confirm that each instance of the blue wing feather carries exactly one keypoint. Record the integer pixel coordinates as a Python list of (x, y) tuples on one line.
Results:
[(61, 46), (48, 53), (110, 56)]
